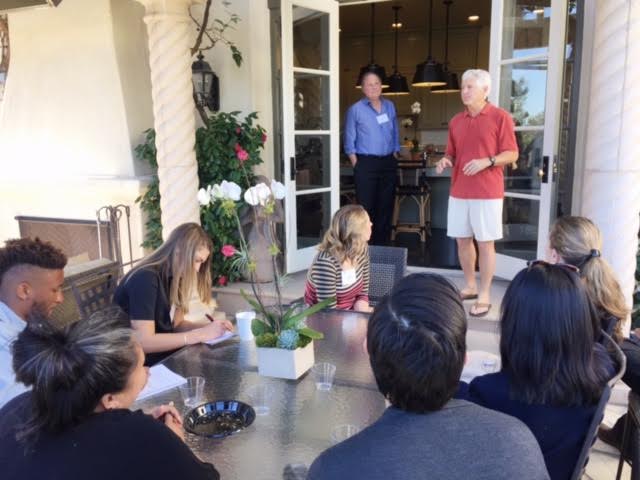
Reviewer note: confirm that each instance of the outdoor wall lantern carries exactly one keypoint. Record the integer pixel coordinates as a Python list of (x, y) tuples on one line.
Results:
[(206, 84)]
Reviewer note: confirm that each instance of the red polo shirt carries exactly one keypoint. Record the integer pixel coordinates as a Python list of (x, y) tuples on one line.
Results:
[(487, 134)]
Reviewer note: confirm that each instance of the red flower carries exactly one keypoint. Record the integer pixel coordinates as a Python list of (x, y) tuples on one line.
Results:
[(264, 137), (222, 281), (228, 250), (242, 155), (238, 147)]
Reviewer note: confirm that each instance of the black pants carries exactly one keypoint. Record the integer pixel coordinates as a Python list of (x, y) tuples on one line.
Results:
[(375, 179)]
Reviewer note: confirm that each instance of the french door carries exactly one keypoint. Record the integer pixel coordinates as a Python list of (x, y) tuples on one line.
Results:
[(310, 124), (526, 63)]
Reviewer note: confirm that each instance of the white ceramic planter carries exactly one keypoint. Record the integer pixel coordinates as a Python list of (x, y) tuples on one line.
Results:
[(281, 363)]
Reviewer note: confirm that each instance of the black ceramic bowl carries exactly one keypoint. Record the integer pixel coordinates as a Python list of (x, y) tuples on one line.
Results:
[(219, 419)]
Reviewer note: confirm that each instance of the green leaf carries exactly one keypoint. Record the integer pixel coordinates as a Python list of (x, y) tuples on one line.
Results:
[(311, 333), (313, 309), (258, 327)]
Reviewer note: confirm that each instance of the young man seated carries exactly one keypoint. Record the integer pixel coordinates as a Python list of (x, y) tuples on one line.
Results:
[(416, 345), (31, 278)]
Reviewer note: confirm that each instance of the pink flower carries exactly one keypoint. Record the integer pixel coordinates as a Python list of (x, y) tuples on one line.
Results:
[(228, 250), (242, 155), (264, 137), (238, 130), (222, 281)]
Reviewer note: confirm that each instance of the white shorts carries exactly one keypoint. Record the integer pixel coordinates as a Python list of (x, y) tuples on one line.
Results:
[(479, 218)]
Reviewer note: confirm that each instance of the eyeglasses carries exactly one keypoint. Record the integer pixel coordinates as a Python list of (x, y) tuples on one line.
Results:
[(566, 266)]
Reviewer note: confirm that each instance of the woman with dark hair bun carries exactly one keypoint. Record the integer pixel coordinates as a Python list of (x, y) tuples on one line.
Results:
[(553, 372), (75, 423)]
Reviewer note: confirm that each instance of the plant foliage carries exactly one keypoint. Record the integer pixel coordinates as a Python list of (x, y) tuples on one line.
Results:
[(220, 144)]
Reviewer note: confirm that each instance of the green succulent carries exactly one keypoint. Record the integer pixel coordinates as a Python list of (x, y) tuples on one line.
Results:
[(288, 339), (267, 340)]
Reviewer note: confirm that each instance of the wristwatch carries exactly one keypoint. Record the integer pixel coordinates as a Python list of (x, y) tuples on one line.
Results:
[(493, 161)]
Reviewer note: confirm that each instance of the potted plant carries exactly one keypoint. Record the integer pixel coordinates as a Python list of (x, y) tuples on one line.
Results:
[(284, 341), (412, 121)]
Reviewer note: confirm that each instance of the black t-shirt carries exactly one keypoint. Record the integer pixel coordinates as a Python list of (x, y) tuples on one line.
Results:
[(117, 444), (143, 295)]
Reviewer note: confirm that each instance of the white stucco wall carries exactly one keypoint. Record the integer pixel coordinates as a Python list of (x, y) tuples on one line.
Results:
[(246, 88), (76, 96)]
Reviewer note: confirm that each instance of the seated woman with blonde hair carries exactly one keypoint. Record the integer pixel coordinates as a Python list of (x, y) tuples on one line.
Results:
[(166, 278), (341, 267), (75, 423), (578, 241)]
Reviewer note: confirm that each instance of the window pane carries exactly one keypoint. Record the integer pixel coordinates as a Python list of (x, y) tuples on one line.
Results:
[(311, 102), (525, 178), (520, 218), (310, 38), (312, 161), (523, 87), (526, 28), (313, 213)]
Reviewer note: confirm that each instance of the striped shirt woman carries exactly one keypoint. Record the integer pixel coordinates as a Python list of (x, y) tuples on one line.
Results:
[(341, 267)]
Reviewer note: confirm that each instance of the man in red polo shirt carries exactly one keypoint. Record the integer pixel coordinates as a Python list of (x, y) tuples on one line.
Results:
[(481, 142)]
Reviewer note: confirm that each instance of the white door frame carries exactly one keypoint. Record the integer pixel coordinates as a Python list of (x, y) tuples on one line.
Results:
[(508, 266), (300, 258)]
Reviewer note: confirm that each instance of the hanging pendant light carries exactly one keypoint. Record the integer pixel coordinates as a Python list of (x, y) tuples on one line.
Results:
[(429, 73), (397, 82), (373, 67), (452, 85)]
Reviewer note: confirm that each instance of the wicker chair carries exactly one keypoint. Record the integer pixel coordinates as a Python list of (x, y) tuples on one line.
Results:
[(95, 292), (387, 266)]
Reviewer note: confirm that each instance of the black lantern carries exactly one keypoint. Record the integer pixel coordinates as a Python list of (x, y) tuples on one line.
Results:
[(373, 67), (206, 84), (397, 82), (452, 85), (429, 73)]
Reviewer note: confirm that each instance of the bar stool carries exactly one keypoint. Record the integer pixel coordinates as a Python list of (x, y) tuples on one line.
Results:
[(412, 183)]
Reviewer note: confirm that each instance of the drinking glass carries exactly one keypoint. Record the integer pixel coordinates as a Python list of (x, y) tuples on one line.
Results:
[(192, 391)]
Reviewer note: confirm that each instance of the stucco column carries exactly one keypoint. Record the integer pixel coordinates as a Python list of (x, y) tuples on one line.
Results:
[(611, 184), (169, 29)]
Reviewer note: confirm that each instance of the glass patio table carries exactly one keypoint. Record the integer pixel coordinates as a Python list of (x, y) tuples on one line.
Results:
[(299, 424)]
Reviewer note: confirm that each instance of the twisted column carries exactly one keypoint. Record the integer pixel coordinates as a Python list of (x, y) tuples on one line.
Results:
[(611, 185), (169, 30)]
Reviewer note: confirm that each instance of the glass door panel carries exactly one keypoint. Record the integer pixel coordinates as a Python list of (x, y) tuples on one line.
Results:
[(310, 124), (529, 36)]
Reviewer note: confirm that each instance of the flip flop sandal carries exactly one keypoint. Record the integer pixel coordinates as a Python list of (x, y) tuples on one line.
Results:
[(468, 296), (477, 306)]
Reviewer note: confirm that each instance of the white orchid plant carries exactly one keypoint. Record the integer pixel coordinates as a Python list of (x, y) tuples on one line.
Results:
[(275, 326)]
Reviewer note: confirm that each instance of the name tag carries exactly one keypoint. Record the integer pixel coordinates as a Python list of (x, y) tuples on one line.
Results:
[(382, 118), (348, 277)]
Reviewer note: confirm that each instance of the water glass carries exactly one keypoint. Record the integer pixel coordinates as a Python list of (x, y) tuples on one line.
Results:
[(261, 396), (243, 323), (323, 374), (342, 432), (192, 391)]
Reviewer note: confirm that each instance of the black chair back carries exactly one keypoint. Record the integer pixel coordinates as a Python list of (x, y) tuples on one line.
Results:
[(590, 437), (387, 265), (95, 292)]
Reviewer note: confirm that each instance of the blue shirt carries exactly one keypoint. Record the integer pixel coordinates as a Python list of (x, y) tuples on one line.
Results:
[(10, 326), (368, 132)]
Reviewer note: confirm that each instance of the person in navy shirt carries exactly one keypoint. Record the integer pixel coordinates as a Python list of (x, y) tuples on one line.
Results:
[(371, 141)]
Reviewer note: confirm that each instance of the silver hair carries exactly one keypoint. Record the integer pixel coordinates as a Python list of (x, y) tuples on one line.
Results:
[(482, 78)]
